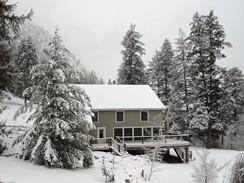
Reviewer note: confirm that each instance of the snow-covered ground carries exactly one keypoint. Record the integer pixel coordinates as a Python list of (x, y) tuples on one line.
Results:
[(18, 171)]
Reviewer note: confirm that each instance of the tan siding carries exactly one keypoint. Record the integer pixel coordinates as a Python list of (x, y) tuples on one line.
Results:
[(132, 119)]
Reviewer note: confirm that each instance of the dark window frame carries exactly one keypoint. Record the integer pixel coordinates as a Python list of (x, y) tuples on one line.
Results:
[(141, 116), (123, 116)]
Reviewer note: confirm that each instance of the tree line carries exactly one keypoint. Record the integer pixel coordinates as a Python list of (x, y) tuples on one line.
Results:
[(203, 99)]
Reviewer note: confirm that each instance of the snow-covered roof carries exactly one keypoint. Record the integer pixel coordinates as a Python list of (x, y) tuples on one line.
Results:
[(122, 97)]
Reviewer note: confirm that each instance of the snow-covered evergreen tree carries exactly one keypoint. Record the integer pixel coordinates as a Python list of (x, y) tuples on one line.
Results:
[(62, 119), (131, 70), (9, 28), (181, 94), (206, 170), (232, 104), (159, 71), (207, 39), (25, 60)]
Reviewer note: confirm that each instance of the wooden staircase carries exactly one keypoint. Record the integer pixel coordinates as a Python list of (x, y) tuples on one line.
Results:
[(184, 154), (118, 148)]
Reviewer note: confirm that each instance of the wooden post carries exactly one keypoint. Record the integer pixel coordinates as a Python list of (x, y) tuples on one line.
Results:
[(166, 122), (187, 154), (109, 142), (119, 148)]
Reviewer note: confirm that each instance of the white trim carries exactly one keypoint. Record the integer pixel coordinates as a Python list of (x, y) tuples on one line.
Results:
[(116, 117), (147, 116), (104, 131)]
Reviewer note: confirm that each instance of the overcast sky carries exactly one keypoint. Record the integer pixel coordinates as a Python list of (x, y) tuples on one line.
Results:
[(93, 29)]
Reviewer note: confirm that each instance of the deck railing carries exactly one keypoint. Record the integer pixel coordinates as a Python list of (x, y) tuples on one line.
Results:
[(120, 146), (142, 139)]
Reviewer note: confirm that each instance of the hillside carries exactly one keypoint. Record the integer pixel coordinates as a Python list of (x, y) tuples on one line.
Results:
[(12, 104)]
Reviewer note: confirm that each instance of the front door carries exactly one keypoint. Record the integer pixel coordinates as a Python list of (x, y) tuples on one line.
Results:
[(101, 132)]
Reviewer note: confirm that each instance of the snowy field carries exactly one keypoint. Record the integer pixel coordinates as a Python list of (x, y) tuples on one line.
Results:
[(13, 170)]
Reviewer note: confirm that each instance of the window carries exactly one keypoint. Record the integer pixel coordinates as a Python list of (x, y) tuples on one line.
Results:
[(118, 132), (128, 134), (101, 133), (137, 133), (147, 133), (144, 115), (95, 117), (119, 116), (156, 131)]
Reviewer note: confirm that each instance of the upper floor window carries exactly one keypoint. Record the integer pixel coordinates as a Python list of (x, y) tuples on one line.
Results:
[(144, 116), (119, 116), (95, 117)]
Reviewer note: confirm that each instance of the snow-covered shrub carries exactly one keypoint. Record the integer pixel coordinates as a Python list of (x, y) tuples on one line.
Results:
[(87, 160), (206, 170), (237, 171), (108, 173)]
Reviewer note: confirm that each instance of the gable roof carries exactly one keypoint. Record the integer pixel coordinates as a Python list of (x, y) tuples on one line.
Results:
[(122, 97)]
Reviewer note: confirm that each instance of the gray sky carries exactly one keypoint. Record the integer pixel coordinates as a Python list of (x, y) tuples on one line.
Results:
[(93, 29)]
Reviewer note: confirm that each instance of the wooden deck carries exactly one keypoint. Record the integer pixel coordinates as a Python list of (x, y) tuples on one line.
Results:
[(179, 143)]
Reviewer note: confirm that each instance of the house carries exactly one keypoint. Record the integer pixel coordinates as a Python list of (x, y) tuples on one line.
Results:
[(125, 111), (129, 117)]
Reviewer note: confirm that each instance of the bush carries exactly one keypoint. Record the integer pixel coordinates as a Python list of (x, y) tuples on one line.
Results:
[(87, 160)]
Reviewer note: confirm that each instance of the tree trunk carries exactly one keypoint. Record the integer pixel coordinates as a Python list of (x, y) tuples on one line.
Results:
[(209, 137)]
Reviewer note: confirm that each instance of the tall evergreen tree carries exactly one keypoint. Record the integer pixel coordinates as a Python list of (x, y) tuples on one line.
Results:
[(159, 72), (131, 70), (25, 60), (182, 94), (232, 103), (9, 28), (207, 39), (59, 135)]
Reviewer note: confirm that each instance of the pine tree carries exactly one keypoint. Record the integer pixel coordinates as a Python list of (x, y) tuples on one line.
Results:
[(25, 60), (59, 135), (131, 70), (159, 72), (207, 39), (232, 102), (182, 94), (9, 28)]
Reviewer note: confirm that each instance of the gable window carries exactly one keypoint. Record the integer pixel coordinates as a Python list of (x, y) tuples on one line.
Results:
[(119, 116), (144, 116), (95, 117)]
